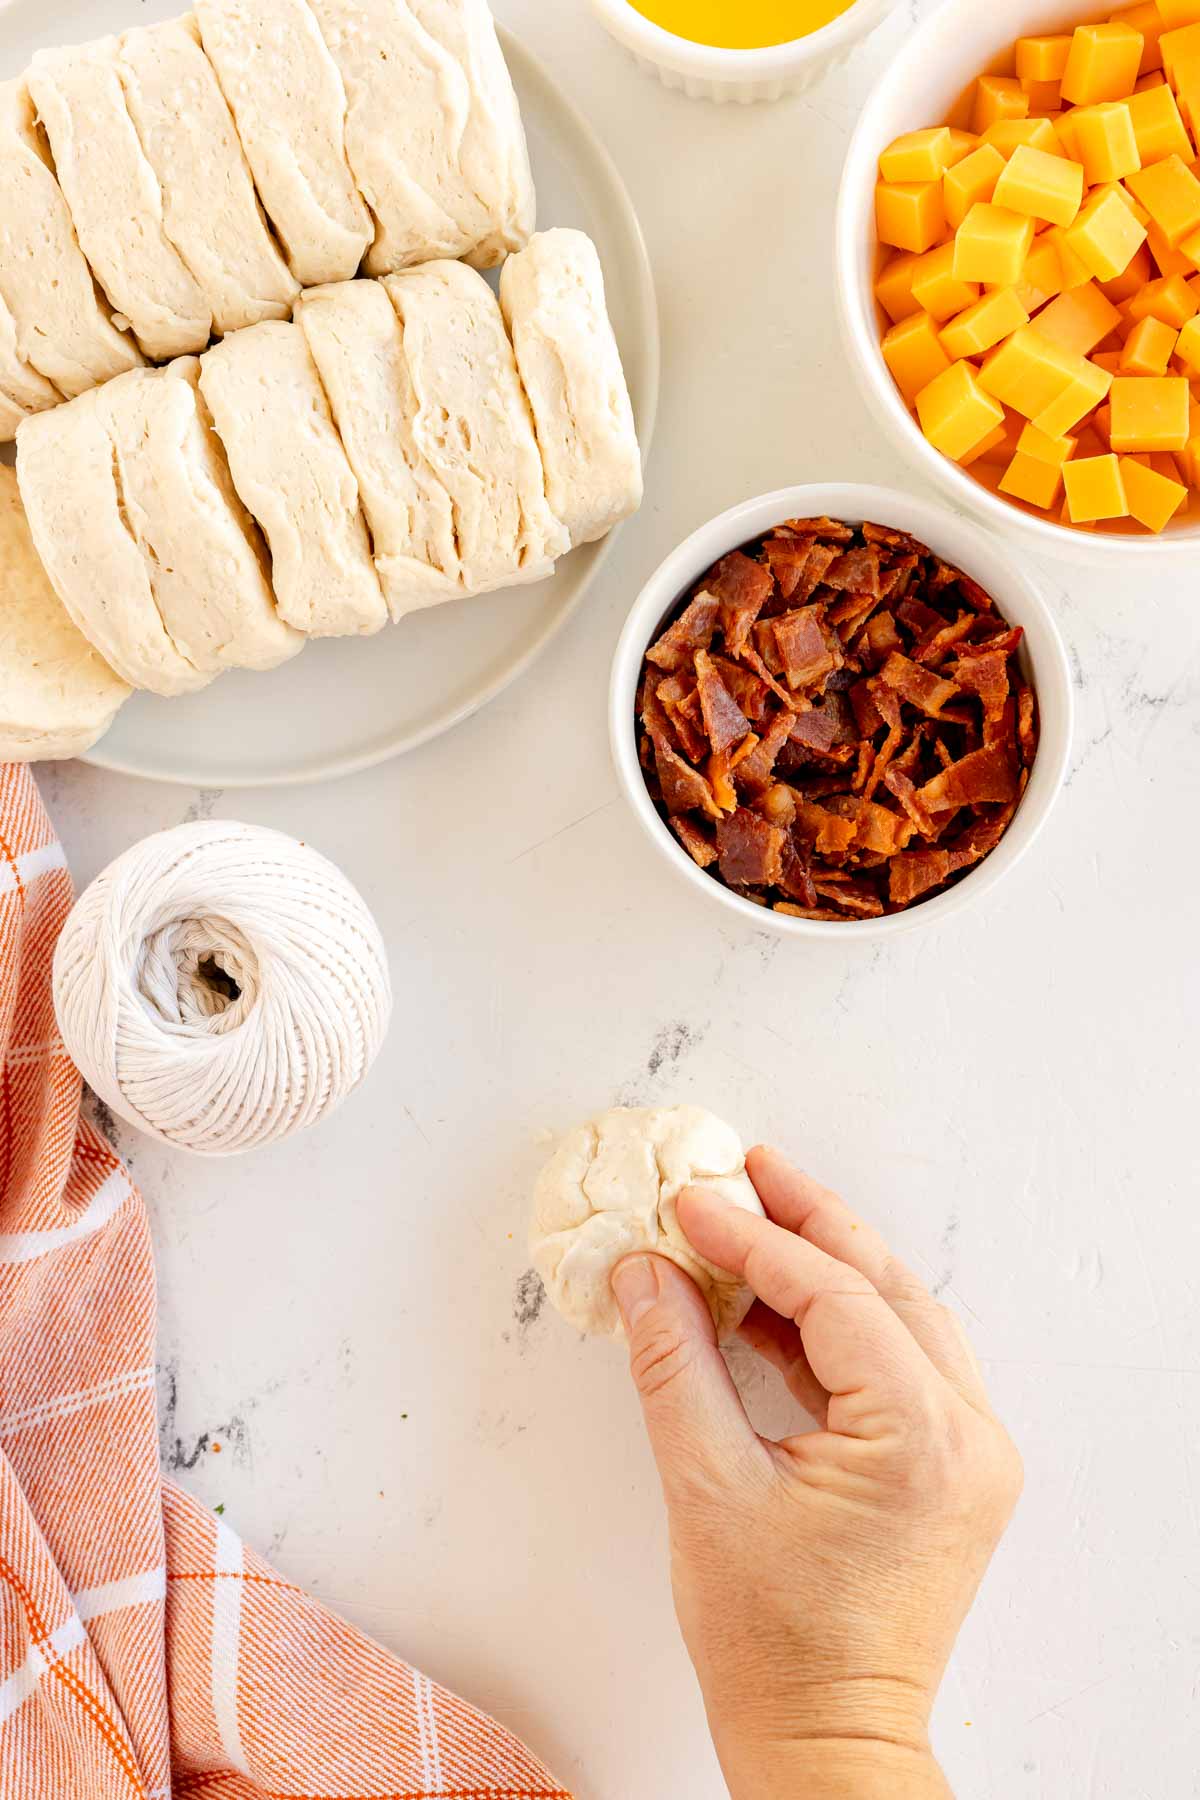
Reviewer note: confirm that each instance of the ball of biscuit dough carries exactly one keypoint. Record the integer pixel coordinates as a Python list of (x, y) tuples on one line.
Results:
[(610, 1190)]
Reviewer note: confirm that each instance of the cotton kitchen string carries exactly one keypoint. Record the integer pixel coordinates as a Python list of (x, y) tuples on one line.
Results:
[(221, 986)]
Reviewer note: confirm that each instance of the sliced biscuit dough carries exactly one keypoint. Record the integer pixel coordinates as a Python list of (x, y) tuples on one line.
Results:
[(287, 98), (210, 209), (203, 554), (289, 468), (493, 154), (473, 427), (22, 389), (408, 108), (57, 694), (115, 199), (355, 340), (62, 328), (552, 296), (67, 469)]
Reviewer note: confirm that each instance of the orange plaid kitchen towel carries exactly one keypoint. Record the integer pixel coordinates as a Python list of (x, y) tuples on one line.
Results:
[(145, 1650)]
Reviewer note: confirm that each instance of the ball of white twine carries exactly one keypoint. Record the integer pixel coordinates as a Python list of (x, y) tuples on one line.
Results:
[(221, 986)]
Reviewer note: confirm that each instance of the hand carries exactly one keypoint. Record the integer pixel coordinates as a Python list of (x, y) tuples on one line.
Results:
[(820, 1583)]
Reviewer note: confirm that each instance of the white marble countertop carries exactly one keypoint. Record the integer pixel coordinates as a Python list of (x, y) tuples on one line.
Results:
[(1011, 1097)]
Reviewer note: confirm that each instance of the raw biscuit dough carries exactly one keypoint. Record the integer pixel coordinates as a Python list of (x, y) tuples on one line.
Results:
[(57, 694), (22, 389), (610, 1190), (292, 474), (115, 200), (473, 425), (62, 328), (211, 212), (355, 340), (287, 98), (552, 296)]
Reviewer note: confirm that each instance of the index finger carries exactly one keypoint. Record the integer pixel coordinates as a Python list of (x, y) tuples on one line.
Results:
[(854, 1342)]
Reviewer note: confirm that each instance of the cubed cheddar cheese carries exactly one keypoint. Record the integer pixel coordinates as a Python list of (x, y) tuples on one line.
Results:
[(1028, 372), (1105, 236), (1190, 249), (1150, 412), (1008, 135), (1149, 348), (1158, 126), (1079, 320), (1106, 142), (1168, 260), (985, 449), (971, 181), (1040, 185), (1187, 345), (997, 97), (1095, 489), (1073, 403), (910, 214), (991, 245), (955, 413), (918, 156), (1180, 49), (1170, 193), (1042, 276), (1075, 272), (1148, 20), (1132, 279), (1103, 64), (913, 352), (1028, 478), (936, 287), (1179, 12), (987, 323), (1151, 497), (1043, 58), (1033, 442), (1044, 96), (1170, 299), (893, 290)]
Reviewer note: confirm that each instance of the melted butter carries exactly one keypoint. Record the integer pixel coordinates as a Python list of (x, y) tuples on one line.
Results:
[(741, 24)]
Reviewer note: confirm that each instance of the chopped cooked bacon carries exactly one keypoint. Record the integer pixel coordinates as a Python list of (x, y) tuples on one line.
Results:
[(983, 777), (828, 698), (725, 724), (693, 630), (749, 850), (699, 847)]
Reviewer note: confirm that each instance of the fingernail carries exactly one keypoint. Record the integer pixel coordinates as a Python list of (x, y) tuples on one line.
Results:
[(635, 1283)]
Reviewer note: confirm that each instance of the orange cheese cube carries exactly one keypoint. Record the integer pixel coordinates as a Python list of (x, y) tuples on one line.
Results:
[(1170, 299), (893, 290), (985, 324), (1147, 19), (1106, 142), (910, 214), (1028, 478), (1042, 276), (1028, 372), (1074, 272), (1179, 12), (1170, 193), (1004, 447), (1095, 489), (1187, 343), (1158, 126), (1180, 53), (997, 97), (1190, 249), (1007, 135), (936, 287), (1079, 320), (1149, 348), (1102, 425), (914, 354), (1152, 498), (1042, 186), (955, 413), (991, 245), (1131, 280), (986, 449), (1103, 64), (1105, 236), (961, 144), (1147, 82), (1087, 443), (1081, 396), (1169, 260), (970, 181), (1064, 131), (1150, 412), (1035, 443), (1044, 96), (918, 155), (1043, 58)]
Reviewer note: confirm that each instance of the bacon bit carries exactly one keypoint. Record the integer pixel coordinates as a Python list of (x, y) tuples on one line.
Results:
[(1026, 725), (880, 830), (857, 897), (935, 645), (787, 559), (808, 912), (834, 531), (819, 559), (984, 776), (822, 728), (866, 759), (980, 838), (693, 630), (681, 703), (742, 588), (684, 789), (756, 770), (918, 618), (895, 540), (828, 834), (778, 805), (791, 701), (915, 873), (986, 676), (850, 614), (725, 724), (975, 596), (750, 692), (855, 572), (1006, 644), (700, 848), (750, 851), (864, 700), (796, 880), (919, 687), (804, 651), (898, 783)]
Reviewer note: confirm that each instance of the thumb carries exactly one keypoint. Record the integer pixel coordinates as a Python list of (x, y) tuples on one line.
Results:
[(697, 1424)]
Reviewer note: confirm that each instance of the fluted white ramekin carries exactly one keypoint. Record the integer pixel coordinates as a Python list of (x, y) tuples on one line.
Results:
[(705, 73)]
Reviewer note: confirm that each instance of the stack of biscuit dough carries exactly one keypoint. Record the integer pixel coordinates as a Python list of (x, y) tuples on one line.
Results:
[(393, 444)]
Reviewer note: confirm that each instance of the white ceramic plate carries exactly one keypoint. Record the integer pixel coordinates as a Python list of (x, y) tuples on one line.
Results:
[(344, 704)]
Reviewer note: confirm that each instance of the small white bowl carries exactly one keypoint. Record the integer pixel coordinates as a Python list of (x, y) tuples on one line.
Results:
[(958, 541), (921, 87), (703, 72)]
